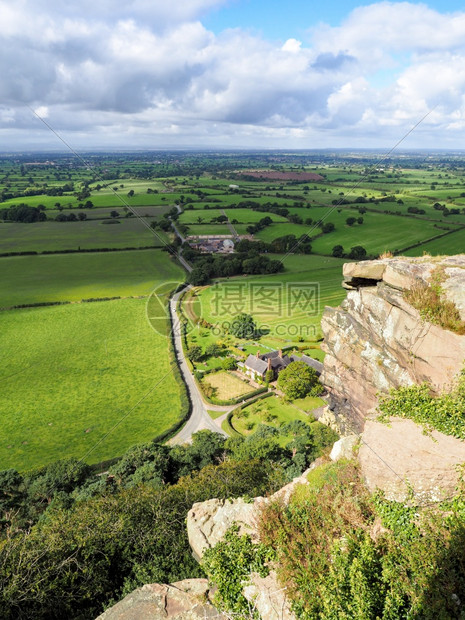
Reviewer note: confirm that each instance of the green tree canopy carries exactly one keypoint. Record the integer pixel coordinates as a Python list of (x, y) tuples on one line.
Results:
[(243, 326), (298, 380)]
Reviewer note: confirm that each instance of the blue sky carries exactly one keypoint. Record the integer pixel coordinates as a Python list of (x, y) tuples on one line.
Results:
[(232, 74), (276, 19)]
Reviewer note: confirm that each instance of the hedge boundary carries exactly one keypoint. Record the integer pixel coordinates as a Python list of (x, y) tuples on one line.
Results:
[(228, 427)]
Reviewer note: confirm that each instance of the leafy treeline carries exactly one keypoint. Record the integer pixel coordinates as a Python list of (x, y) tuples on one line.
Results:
[(73, 541), (208, 266), (23, 213)]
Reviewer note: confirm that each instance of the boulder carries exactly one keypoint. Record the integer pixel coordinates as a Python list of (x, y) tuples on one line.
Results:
[(400, 456), (344, 448), (208, 522), (267, 597), (183, 600), (369, 270)]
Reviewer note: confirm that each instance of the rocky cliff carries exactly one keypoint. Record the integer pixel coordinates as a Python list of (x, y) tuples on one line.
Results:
[(375, 340)]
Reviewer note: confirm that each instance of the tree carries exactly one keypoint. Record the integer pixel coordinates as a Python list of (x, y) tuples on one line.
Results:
[(350, 221), (213, 350), (243, 326), (131, 193), (269, 375), (328, 227), (298, 380), (358, 252), (338, 251), (360, 220), (229, 363), (199, 276), (194, 354)]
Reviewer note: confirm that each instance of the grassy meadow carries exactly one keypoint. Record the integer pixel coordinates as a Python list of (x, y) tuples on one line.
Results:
[(73, 277), (271, 301), (71, 373), (59, 236)]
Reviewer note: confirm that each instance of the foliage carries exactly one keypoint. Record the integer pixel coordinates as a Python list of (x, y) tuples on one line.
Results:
[(229, 363), (195, 353), (243, 326), (445, 412), (75, 560), (297, 380), (357, 252), (229, 564), (334, 565), (429, 300)]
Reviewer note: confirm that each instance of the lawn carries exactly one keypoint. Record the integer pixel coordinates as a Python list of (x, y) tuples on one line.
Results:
[(271, 411), (55, 236), (72, 277), (71, 373), (227, 385)]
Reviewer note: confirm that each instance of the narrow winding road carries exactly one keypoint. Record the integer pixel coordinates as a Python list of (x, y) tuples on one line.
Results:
[(199, 418)]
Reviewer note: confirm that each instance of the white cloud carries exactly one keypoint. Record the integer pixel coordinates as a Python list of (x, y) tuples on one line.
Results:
[(150, 70)]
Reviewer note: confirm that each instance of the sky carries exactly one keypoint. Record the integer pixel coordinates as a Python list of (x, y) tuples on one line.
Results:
[(225, 74)]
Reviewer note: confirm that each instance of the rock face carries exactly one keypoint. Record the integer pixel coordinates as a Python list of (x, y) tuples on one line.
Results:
[(183, 600), (409, 459), (376, 340)]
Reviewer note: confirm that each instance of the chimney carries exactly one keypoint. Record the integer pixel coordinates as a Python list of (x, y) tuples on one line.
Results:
[(280, 352), (269, 363), (258, 354)]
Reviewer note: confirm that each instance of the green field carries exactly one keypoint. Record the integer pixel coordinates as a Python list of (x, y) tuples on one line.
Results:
[(71, 373), (271, 300), (73, 277), (379, 232), (450, 244), (130, 232)]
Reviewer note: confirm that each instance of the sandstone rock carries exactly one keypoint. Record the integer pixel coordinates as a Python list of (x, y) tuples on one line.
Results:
[(454, 287), (208, 522), (392, 456), (375, 340), (344, 448), (403, 273), (268, 598), (183, 600), (369, 269)]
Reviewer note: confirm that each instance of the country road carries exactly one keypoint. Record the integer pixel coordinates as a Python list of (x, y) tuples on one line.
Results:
[(199, 418)]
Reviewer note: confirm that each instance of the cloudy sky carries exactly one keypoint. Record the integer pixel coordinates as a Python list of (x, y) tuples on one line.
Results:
[(231, 74)]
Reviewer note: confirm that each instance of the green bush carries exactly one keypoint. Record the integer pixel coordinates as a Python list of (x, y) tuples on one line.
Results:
[(445, 413)]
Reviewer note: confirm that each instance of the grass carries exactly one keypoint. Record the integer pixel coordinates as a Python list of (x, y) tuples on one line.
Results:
[(56, 236), (70, 374), (271, 411), (454, 243), (227, 386), (73, 277), (378, 233), (429, 300), (277, 312)]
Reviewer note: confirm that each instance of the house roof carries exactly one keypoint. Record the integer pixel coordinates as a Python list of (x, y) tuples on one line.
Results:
[(315, 364), (255, 363)]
